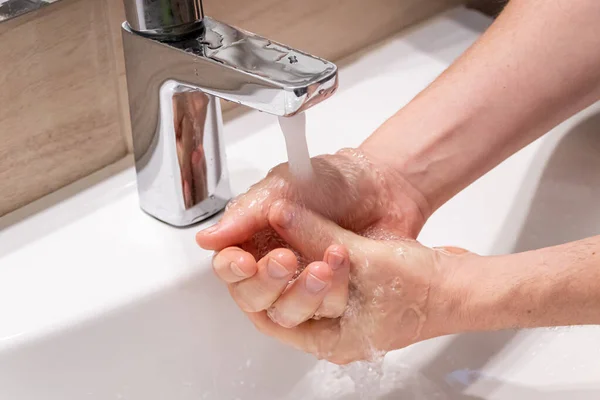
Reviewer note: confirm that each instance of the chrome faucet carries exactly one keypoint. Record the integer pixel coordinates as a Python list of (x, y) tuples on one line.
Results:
[(179, 63)]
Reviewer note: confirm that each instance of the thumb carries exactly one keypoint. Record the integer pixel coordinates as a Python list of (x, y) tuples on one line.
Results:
[(233, 229), (307, 231)]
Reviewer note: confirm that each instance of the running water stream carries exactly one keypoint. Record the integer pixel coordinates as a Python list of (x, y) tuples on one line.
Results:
[(365, 375)]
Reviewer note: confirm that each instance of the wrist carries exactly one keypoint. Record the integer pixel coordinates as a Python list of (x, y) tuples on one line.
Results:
[(554, 286), (422, 153), (403, 208), (448, 307), (473, 293), (399, 187)]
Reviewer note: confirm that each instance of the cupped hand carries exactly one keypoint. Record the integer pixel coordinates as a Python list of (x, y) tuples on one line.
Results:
[(368, 296), (347, 188)]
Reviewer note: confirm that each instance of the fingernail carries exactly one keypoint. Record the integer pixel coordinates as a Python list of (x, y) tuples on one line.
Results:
[(237, 271), (335, 261), (314, 284), (212, 229), (276, 270), (286, 216)]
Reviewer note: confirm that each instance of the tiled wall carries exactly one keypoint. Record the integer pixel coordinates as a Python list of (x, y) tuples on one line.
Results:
[(63, 103), (59, 103)]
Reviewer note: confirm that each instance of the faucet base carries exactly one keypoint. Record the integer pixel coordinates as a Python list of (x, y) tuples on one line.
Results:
[(199, 213)]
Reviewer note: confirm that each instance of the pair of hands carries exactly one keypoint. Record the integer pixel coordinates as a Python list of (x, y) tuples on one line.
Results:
[(332, 268)]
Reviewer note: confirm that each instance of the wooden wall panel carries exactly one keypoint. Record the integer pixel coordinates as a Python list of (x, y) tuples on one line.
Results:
[(116, 16), (59, 103)]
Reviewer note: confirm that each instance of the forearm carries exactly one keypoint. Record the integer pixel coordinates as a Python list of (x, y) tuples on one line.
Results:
[(555, 286), (537, 65)]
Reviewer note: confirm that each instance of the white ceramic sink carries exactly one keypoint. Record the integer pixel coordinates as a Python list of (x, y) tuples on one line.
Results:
[(100, 301)]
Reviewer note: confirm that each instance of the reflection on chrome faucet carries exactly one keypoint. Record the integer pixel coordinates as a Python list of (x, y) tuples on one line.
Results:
[(189, 113)]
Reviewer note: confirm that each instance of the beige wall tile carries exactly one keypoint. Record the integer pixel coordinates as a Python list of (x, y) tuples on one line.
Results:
[(116, 15), (59, 104)]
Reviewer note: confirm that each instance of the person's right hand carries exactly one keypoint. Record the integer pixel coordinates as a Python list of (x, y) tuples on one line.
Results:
[(387, 293), (347, 188)]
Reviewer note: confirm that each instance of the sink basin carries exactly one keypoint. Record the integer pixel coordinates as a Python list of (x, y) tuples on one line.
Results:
[(100, 301)]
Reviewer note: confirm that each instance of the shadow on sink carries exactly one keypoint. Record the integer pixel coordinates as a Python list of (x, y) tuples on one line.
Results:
[(439, 41), (186, 342), (565, 206)]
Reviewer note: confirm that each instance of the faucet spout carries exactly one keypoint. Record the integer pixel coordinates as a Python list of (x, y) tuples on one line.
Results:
[(244, 68), (175, 82)]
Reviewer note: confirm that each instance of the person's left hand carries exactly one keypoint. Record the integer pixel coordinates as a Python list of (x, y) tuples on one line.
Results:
[(366, 296)]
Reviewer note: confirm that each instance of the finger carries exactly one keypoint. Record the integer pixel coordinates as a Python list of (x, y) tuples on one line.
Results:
[(304, 230), (304, 297), (261, 290), (234, 264), (239, 223), (335, 301), (232, 229)]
